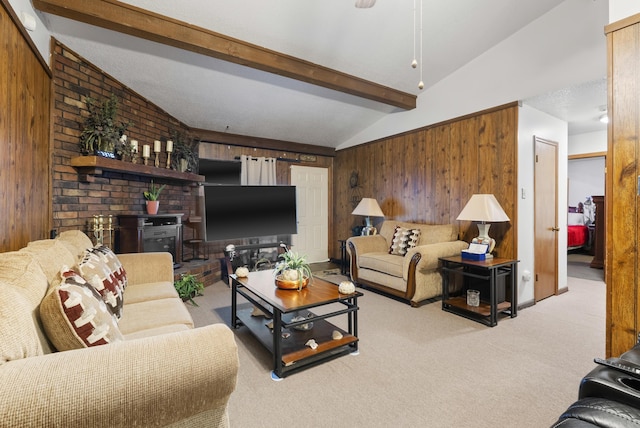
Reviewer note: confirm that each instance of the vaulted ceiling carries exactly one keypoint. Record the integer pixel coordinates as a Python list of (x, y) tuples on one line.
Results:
[(263, 68)]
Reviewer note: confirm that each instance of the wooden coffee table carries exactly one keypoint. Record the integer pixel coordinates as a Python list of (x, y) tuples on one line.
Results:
[(287, 341)]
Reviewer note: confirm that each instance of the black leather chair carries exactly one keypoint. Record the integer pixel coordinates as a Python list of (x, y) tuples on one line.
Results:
[(607, 398)]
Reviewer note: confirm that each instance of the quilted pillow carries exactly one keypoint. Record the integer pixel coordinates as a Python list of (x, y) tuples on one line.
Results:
[(403, 240), (97, 273), (75, 316)]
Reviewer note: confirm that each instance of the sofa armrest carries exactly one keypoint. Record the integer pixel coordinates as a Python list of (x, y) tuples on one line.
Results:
[(368, 244), (431, 252), (147, 267), (153, 381)]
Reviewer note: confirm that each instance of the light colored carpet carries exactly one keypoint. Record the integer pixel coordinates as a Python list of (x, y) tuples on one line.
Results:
[(579, 266), (423, 367)]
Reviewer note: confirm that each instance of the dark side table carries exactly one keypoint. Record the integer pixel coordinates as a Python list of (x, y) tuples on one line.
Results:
[(488, 272)]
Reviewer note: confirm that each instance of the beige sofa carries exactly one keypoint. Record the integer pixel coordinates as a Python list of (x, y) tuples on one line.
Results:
[(164, 372), (415, 276)]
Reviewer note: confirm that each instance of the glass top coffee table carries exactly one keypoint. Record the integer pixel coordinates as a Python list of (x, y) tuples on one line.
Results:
[(294, 322)]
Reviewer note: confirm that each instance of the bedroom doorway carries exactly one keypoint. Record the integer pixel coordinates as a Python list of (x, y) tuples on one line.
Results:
[(586, 181), (546, 218)]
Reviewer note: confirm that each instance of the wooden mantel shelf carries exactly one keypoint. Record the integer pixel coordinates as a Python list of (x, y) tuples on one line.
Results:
[(90, 166)]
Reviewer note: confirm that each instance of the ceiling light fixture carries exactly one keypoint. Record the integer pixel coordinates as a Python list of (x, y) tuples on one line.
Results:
[(414, 63), (365, 4), (421, 83)]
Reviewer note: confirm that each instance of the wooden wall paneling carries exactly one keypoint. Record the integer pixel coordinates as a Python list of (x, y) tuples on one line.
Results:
[(430, 176), (430, 173), (502, 175), (25, 135), (623, 307), (466, 130), (442, 167), (456, 144), (394, 191), (414, 175), (508, 185)]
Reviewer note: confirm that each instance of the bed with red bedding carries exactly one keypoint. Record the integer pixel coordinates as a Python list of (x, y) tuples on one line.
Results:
[(577, 231), (578, 236)]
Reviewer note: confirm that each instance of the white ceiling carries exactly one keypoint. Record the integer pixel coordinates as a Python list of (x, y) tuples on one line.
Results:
[(375, 44)]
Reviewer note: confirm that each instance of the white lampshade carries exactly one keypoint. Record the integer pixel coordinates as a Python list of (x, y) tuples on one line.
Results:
[(368, 207), (484, 208)]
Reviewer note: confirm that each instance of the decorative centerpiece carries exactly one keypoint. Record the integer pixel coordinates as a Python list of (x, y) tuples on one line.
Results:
[(292, 272), (151, 196), (102, 135)]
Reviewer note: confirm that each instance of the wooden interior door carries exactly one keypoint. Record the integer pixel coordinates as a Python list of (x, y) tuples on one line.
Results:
[(546, 218)]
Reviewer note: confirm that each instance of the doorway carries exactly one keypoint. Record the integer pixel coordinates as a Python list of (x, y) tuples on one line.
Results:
[(546, 218), (312, 202)]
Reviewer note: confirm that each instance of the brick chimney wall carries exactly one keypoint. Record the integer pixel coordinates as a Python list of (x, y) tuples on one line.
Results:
[(75, 202)]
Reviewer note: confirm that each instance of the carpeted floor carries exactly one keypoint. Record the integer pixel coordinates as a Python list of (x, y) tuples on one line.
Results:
[(425, 367), (578, 266)]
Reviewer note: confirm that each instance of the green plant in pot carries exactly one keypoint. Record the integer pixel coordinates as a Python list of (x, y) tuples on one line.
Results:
[(185, 152), (292, 271), (102, 134), (152, 196), (188, 287)]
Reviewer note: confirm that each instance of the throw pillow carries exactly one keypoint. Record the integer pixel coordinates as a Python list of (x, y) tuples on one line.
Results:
[(113, 263), (95, 271), (403, 240), (75, 316)]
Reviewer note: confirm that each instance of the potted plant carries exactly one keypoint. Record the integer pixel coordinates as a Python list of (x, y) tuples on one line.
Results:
[(185, 158), (188, 287), (151, 197), (102, 134), (292, 271)]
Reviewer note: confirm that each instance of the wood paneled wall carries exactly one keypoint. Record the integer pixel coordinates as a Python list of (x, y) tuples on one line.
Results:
[(25, 166), (429, 174), (621, 186)]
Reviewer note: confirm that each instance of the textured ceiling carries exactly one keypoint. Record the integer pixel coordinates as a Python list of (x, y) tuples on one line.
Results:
[(581, 105), (376, 44)]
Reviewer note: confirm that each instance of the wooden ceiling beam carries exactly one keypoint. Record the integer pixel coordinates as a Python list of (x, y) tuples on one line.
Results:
[(134, 21)]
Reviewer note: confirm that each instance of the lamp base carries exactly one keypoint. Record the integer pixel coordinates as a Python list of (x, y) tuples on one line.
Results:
[(368, 231), (484, 238)]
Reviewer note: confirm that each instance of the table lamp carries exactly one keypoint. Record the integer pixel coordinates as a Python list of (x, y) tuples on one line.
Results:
[(368, 207), (483, 208)]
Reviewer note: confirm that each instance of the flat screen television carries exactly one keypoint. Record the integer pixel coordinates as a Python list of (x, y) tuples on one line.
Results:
[(234, 212)]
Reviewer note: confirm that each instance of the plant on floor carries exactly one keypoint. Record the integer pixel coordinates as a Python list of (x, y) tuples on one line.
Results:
[(293, 267), (188, 287)]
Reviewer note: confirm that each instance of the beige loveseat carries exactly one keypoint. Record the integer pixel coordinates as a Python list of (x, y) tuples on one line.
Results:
[(415, 276), (164, 372)]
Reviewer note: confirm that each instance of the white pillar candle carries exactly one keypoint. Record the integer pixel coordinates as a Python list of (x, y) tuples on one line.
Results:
[(169, 146), (134, 146), (157, 146), (146, 151)]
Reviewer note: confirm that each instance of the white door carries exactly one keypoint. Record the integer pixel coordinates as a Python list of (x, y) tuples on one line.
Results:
[(312, 202)]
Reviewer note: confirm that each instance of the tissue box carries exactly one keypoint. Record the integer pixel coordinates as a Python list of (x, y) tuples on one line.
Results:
[(468, 255), (477, 252)]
